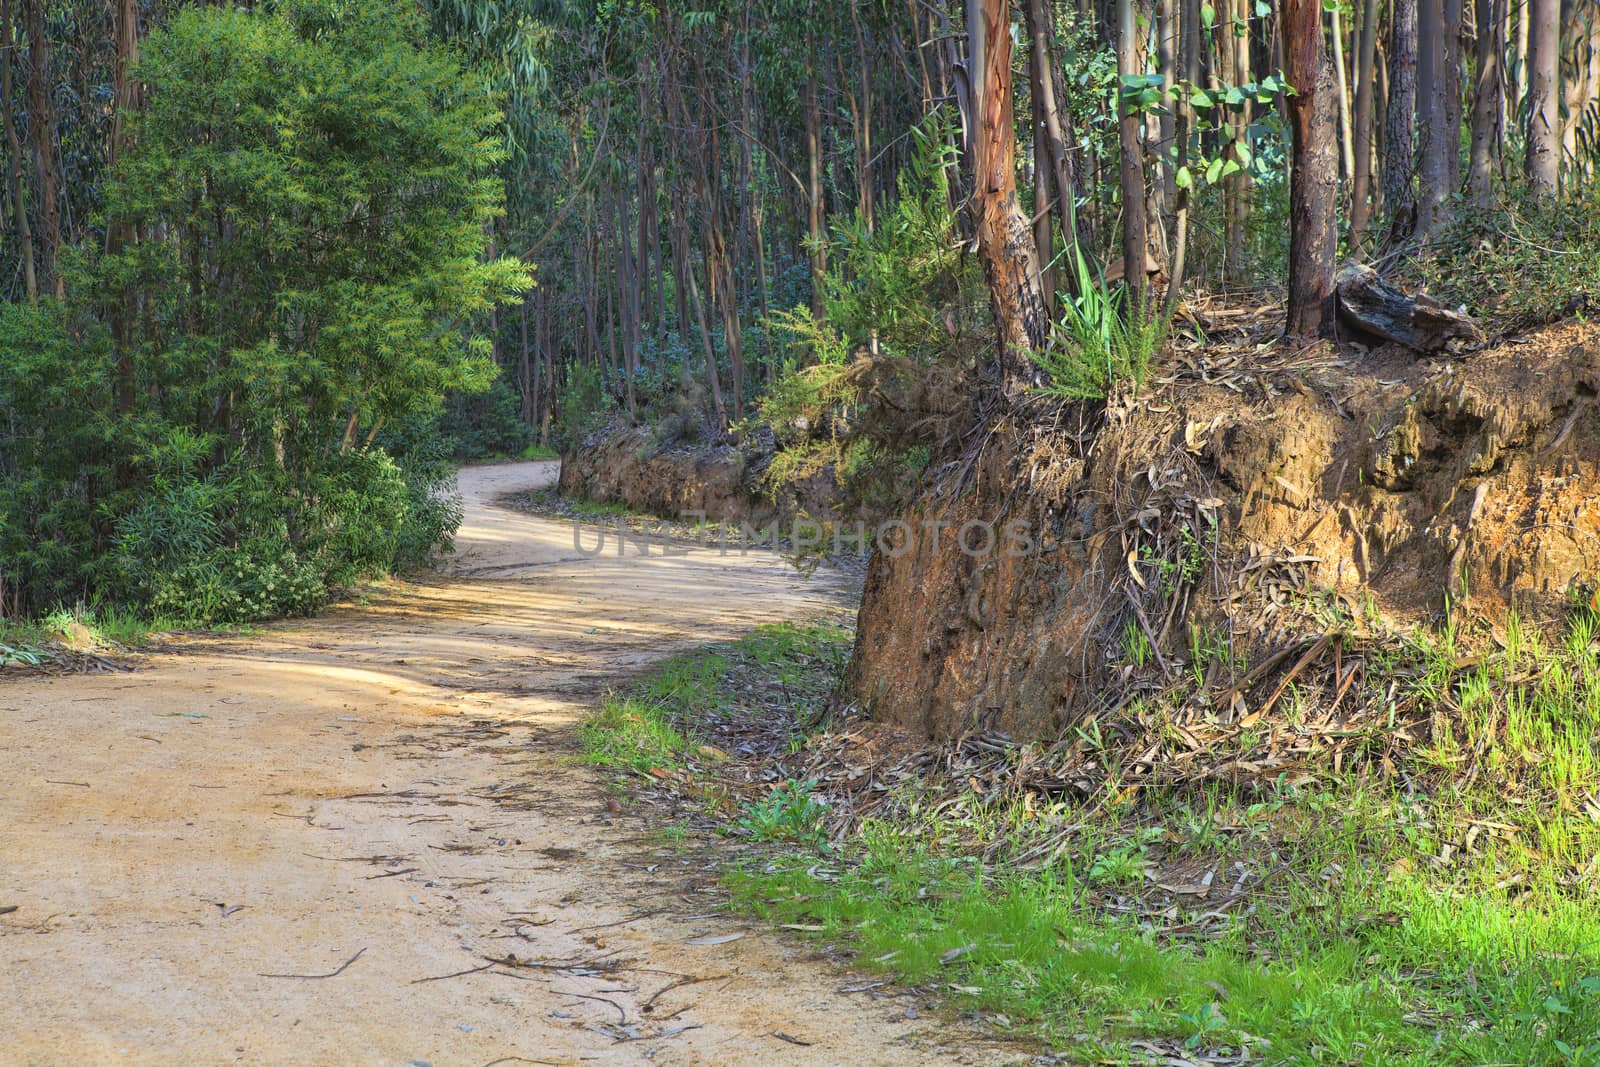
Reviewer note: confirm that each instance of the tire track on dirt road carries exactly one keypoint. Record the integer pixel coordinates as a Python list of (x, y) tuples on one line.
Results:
[(389, 788)]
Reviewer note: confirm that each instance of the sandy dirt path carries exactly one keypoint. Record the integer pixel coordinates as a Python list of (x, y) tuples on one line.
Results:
[(390, 788)]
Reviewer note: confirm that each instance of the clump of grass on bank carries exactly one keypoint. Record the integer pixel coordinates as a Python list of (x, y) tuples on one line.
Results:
[(97, 627), (678, 709), (1442, 915)]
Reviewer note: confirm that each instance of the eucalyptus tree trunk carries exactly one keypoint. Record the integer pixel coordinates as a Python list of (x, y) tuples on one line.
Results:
[(527, 389), (1487, 104), (1058, 134), (119, 234), (1364, 122), (814, 205), (1347, 137), (1454, 61), (1044, 193), (1005, 242), (19, 205), (1542, 164), (1433, 169), (1189, 62), (1134, 238), (1399, 151), (862, 112), (1313, 189), (42, 132), (680, 242), (627, 298)]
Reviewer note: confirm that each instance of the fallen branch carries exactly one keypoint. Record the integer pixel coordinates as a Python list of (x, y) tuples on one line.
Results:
[(331, 974), (1419, 322)]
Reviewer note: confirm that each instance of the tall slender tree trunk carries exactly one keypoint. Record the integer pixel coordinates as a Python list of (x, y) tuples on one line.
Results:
[(1005, 242), (863, 122), (19, 204), (1347, 137), (1134, 240), (1454, 61), (1313, 190), (1518, 74), (1189, 61), (1364, 121), (119, 234), (1057, 133), (547, 363), (1044, 194), (627, 299), (1237, 186), (1399, 151), (814, 205), (525, 386), (1542, 165), (1487, 106), (42, 132), (1433, 169), (1168, 51), (680, 241)]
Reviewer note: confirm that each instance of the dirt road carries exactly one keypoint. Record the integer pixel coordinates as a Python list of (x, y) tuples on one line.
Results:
[(388, 793)]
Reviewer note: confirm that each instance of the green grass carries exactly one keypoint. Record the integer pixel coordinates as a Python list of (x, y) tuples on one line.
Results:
[(538, 451), (1384, 920), (105, 625), (631, 734), (597, 509), (1344, 961), (651, 725)]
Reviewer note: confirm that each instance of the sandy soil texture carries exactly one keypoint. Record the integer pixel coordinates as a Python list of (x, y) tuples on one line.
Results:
[(285, 849)]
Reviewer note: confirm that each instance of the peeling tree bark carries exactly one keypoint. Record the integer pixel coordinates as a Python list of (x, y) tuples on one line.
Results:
[(1313, 190), (1005, 240)]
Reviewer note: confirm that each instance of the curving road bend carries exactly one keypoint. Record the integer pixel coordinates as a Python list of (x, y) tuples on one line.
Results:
[(194, 850)]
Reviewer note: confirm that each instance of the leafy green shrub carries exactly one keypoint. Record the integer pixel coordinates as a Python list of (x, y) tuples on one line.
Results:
[(57, 453), (789, 813), (261, 579), (876, 374), (583, 406), (1527, 262), (1105, 342), (308, 191)]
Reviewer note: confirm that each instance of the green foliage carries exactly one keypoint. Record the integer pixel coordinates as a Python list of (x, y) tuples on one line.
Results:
[(583, 406), (1101, 341), (489, 424), (898, 281), (788, 813), (896, 296), (304, 199), (57, 452), (1528, 261)]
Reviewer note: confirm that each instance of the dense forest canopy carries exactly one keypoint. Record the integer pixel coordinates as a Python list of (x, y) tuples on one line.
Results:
[(268, 266)]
